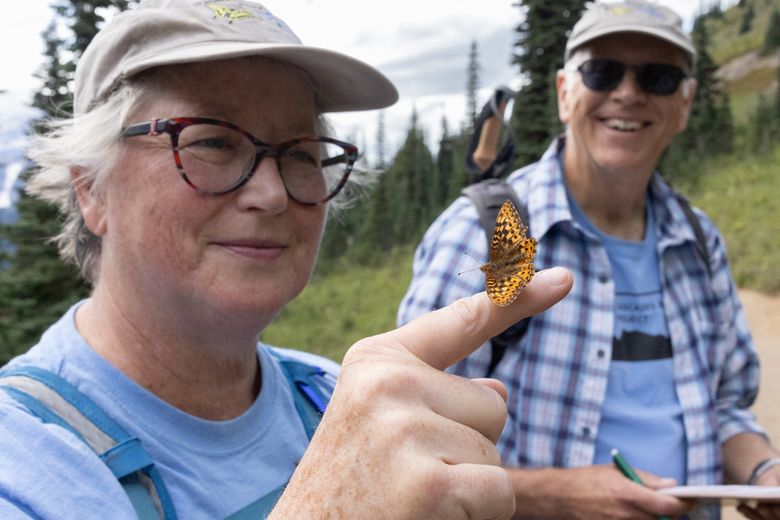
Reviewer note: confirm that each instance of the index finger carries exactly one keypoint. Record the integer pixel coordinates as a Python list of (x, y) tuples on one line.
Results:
[(447, 335)]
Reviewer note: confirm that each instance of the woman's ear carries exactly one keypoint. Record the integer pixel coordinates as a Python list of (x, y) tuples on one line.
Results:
[(91, 203)]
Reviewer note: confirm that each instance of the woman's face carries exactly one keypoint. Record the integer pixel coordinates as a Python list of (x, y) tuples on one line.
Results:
[(242, 255)]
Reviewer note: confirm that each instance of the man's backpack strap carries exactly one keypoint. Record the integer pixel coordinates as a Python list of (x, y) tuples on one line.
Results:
[(487, 197), (698, 232), (54, 400)]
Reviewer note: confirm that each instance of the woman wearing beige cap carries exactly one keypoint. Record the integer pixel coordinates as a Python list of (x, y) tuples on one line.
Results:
[(195, 178)]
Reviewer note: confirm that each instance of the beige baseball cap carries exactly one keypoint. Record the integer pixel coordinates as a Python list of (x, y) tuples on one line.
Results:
[(166, 32), (637, 16)]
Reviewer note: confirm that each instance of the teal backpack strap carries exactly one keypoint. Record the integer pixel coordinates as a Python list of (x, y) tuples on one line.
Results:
[(55, 401), (306, 382)]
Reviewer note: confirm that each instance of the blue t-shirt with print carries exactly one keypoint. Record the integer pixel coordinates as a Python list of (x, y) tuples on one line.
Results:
[(641, 415), (210, 468)]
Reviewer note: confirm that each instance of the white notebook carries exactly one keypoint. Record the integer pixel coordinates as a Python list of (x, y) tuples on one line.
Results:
[(726, 493)]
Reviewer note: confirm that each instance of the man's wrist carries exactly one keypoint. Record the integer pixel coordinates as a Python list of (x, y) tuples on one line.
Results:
[(761, 468)]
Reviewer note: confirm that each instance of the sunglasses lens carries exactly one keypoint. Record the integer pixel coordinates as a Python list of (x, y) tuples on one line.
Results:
[(602, 74), (660, 79)]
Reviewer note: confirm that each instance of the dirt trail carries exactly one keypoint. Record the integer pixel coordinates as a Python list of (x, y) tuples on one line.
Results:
[(763, 314)]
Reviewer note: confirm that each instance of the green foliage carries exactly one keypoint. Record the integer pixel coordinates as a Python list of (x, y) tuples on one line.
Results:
[(35, 286), (772, 38), (740, 193), (764, 126), (350, 303), (710, 128), (541, 40), (404, 200), (747, 19)]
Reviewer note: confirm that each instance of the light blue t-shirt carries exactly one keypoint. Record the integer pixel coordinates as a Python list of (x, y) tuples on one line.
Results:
[(210, 468), (641, 415)]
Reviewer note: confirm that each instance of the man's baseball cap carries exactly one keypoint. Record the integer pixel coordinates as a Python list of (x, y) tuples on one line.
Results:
[(637, 16), (166, 32)]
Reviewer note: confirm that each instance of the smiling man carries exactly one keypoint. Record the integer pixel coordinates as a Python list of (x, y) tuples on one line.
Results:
[(650, 352)]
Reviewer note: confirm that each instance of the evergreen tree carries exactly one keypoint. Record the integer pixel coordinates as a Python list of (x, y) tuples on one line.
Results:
[(380, 141), (472, 84), (777, 99), (377, 236), (36, 287), (772, 38), (762, 126), (541, 40), (747, 19), (445, 165), (710, 128), (411, 173)]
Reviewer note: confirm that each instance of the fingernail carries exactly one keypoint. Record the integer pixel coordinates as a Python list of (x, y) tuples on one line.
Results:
[(554, 276)]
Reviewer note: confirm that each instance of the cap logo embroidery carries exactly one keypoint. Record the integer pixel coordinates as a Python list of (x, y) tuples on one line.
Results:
[(620, 10), (229, 13)]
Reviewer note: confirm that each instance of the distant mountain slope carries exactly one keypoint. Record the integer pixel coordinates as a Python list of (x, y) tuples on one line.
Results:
[(736, 42)]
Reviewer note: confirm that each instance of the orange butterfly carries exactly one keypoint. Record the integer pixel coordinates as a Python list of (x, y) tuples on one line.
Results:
[(510, 263)]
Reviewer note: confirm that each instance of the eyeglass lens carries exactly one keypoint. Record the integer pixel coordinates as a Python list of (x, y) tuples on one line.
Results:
[(217, 159), (660, 79)]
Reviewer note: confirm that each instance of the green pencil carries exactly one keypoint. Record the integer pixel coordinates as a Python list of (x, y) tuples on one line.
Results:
[(626, 469)]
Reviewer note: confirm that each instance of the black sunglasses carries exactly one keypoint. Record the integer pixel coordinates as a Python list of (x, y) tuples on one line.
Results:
[(660, 79)]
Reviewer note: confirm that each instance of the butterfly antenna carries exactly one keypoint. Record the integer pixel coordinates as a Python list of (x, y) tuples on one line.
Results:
[(475, 268)]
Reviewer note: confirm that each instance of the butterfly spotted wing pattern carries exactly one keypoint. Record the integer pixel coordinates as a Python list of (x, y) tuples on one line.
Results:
[(510, 263)]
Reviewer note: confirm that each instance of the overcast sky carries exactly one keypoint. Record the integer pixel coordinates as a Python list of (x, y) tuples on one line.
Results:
[(421, 45)]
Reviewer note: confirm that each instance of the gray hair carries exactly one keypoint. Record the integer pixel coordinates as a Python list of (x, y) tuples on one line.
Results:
[(89, 144)]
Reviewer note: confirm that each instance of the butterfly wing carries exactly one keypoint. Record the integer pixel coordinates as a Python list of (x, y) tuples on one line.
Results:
[(511, 257), (508, 233)]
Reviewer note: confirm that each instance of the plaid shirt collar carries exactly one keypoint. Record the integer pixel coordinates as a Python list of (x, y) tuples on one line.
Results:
[(548, 203)]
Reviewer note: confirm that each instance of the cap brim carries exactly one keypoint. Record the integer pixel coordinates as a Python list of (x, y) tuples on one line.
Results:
[(343, 83)]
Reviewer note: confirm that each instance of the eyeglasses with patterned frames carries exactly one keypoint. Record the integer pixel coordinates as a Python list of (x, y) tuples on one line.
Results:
[(217, 157)]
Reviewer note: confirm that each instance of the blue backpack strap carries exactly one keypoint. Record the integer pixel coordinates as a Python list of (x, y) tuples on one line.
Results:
[(306, 382), (55, 401)]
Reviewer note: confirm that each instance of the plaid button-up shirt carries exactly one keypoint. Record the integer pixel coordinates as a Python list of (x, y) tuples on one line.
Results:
[(557, 374)]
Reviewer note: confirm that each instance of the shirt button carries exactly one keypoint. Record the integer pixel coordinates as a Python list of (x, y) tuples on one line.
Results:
[(600, 353), (586, 431), (603, 278)]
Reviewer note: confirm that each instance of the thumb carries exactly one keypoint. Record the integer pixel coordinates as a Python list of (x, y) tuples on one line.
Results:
[(654, 481), (447, 335)]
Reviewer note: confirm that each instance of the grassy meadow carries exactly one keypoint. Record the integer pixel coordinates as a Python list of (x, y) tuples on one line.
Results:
[(741, 194)]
